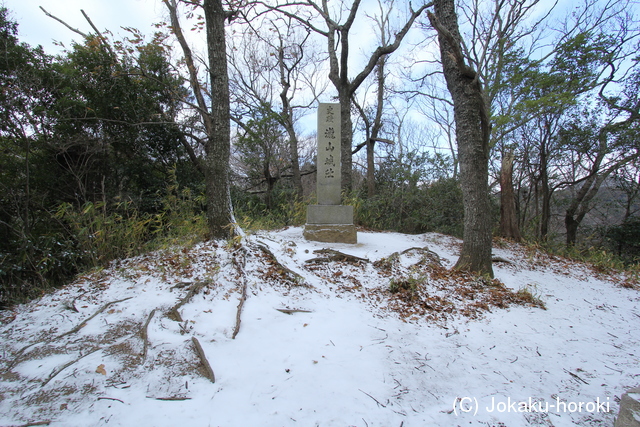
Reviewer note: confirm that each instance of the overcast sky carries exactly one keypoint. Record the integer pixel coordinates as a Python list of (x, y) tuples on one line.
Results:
[(38, 29)]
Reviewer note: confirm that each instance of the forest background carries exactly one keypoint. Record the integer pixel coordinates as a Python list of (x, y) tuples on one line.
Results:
[(102, 143)]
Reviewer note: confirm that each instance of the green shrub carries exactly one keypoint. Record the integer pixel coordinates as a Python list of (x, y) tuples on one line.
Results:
[(30, 266), (76, 239), (252, 213), (181, 219), (435, 206), (104, 234), (624, 239), (410, 284)]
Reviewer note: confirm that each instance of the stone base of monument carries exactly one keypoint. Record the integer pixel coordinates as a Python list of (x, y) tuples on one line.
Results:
[(330, 224), (331, 233), (629, 415)]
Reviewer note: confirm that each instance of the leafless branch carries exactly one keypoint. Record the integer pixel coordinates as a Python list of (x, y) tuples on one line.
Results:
[(75, 30)]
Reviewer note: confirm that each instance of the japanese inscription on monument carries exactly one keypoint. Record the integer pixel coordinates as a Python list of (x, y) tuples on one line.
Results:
[(328, 184), (329, 221)]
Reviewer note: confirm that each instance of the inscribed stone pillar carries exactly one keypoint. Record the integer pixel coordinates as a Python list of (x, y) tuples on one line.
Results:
[(328, 180), (329, 221)]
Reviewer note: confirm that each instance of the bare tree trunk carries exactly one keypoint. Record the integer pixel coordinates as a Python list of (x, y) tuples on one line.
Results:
[(545, 215), (346, 136), (571, 224), (218, 146), (288, 120), (377, 122), (372, 130), (295, 162), (371, 178), (27, 187), (580, 205), (217, 143), (269, 179), (508, 218), (472, 135)]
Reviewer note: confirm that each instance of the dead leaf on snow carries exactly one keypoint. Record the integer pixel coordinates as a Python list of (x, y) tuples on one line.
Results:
[(100, 369)]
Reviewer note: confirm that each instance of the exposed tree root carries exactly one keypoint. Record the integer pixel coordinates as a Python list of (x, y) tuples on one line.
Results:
[(110, 398), (426, 253), (243, 296), (292, 275), (170, 398), (291, 311), (428, 257), (388, 263), (145, 336), (204, 360), (180, 285), (35, 423), (82, 324), (56, 371), (65, 366), (415, 248), (333, 255), (173, 313)]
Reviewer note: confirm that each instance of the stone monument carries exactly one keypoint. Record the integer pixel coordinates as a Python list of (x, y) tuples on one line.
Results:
[(629, 415), (329, 221)]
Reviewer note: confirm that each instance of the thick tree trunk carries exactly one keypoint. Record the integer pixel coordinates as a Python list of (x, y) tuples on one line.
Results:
[(27, 187), (271, 181), (377, 125), (571, 225), (295, 163), (346, 136), (371, 178), (580, 205), (218, 146), (545, 215), (508, 219), (372, 130), (287, 121), (472, 135)]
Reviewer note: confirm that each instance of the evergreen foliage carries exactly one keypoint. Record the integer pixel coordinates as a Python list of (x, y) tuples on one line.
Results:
[(624, 240), (413, 196), (88, 145)]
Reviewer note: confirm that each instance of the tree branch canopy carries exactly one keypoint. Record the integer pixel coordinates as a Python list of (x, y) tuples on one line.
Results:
[(386, 50), (456, 51)]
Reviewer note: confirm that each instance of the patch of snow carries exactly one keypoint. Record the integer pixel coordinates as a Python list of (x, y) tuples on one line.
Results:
[(340, 358)]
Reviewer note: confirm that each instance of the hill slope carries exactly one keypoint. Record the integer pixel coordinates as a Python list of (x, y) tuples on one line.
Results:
[(322, 339)]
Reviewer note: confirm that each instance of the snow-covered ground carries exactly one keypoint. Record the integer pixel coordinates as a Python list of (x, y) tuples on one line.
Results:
[(346, 351)]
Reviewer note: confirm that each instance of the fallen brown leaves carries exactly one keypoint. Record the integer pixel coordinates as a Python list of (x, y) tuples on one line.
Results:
[(276, 271), (435, 293)]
